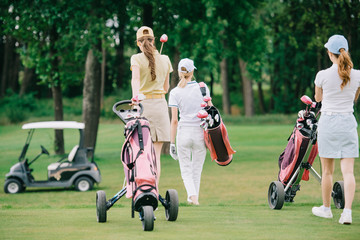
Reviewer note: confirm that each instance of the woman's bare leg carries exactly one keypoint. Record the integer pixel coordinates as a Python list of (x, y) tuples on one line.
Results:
[(347, 169), (328, 166), (158, 147)]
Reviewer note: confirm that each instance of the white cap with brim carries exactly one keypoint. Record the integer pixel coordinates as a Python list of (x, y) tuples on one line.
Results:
[(186, 65), (335, 43)]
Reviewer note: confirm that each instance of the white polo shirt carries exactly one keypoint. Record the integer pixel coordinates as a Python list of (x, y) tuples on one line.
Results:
[(188, 101), (335, 99)]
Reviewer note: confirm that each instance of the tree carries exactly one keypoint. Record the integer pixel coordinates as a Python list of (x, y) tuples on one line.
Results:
[(91, 98)]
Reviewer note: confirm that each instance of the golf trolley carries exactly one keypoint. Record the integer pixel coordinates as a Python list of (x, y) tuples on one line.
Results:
[(139, 161), (296, 161), (73, 169)]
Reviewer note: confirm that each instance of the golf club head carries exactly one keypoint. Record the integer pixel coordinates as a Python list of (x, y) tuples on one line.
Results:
[(307, 100), (211, 122), (201, 84), (163, 38), (301, 114), (203, 104), (207, 99), (204, 125), (217, 118), (202, 114)]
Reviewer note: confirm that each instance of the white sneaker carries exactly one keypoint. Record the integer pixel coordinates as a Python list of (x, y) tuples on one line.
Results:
[(345, 218), (322, 212)]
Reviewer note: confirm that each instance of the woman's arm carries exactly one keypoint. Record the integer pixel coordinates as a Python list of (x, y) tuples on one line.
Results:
[(357, 94), (318, 94), (166, 83), (135, 80), (174, 124)]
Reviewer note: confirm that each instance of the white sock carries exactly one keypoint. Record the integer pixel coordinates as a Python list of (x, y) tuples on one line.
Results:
[(346, 210), (326, 208)]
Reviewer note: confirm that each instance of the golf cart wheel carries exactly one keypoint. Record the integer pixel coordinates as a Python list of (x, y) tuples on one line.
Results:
[(276, 195), (338, 194), (171, 212), (83, 184), (101, 206), (13, 185), (147, 218)]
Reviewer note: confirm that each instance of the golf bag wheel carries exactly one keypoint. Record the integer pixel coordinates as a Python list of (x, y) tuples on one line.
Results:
[(13, 185), (101, 206), (276, 195), (147, 218), (338, 194), (171, 212), (83, 184)]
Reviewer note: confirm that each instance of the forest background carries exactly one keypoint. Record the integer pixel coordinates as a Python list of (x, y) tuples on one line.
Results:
[(257, 56)]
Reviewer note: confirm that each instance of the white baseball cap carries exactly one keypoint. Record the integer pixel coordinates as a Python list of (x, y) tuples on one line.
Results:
[(186, 65), (337, 42)]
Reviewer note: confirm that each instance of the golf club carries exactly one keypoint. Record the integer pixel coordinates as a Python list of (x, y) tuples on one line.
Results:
[(163, 39)]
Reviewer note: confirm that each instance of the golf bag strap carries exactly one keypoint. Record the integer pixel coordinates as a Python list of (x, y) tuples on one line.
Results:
[(202, 88), (139, 127), (140, 135), (151, 187)]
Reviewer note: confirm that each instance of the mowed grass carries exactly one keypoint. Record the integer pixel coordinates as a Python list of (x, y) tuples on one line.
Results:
[(233, 198)]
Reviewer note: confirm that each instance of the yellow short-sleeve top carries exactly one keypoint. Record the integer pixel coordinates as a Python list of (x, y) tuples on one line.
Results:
[(162, 69)]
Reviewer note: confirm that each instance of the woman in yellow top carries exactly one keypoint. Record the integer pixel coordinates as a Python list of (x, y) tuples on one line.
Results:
[(150, 76)]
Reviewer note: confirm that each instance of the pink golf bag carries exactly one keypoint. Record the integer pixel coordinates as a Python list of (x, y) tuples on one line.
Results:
[(292, 156), (215, 133), (139, 161)]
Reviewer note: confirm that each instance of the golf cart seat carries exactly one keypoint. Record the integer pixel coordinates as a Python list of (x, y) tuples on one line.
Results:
[(70, 158)]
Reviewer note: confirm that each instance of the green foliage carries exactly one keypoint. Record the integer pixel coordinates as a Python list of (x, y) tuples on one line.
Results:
[(280, 41), (18, 108)]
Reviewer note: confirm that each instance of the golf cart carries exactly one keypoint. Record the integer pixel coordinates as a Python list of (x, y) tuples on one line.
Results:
[(74, 169)]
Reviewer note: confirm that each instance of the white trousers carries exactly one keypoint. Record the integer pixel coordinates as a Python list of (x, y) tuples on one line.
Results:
[(191, 151)]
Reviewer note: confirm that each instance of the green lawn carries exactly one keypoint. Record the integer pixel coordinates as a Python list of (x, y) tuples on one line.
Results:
[(233, 198)]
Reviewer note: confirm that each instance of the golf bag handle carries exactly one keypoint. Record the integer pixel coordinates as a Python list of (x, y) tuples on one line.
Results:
[(122, 112)]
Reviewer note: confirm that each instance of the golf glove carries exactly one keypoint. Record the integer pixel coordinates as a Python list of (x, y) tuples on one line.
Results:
[(173, 152)]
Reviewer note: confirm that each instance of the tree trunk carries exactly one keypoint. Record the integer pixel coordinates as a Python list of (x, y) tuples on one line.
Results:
[(14, 72), (247, 90), (120, 61), (225, 87), (212, 81), (56, 90), (91, 98), (2, 55), (261, 98), (103, 75), (173, 83), (29, 74), (59, 116), (147, 15), (9, 48), (175, 75)]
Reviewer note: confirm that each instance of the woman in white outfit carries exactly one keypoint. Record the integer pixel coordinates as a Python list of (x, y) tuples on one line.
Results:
[(190, 147), (337, 88)]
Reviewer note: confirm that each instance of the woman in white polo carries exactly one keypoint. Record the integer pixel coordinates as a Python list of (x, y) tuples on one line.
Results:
[(337, 88), (191, 150), (150, 76)]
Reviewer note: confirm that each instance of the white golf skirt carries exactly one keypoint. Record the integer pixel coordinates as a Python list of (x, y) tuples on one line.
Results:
[(338, 136)]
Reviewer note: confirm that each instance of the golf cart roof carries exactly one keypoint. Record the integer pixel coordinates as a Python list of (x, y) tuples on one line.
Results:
[(54, 125)]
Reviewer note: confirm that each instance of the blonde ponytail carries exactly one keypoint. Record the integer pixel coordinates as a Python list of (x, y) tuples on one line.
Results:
[(345, 66), (148, 49), (184, 78)]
